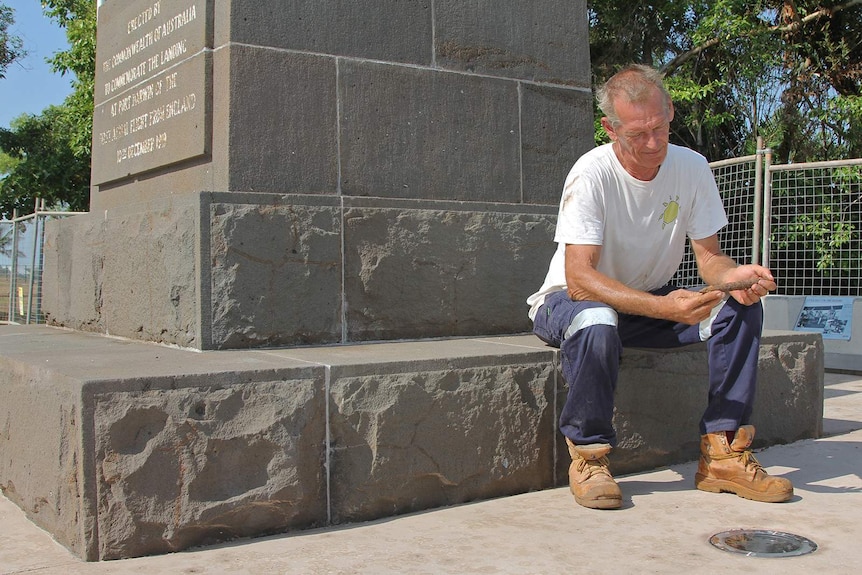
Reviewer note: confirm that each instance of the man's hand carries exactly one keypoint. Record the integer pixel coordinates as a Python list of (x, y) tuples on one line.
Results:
[(717, 268), (690, 307), (763, 283)]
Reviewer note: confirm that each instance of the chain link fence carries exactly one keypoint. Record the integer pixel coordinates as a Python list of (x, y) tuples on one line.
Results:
[(815, 246), (802, 221), (740, 181), (21, 241)]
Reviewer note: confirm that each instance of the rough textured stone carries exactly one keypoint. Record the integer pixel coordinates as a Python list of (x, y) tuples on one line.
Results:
[(131, 273), (182, 467), (276, 274), (72, 276), (41, 451), (411, 440), (430, 273), (150, 288), (794, 369), (125, 448), (228, 271)]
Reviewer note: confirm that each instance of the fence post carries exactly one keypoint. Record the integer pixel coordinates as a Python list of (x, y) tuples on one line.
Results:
[(13, 279), (30, 288), (767, 207), (757, 217)]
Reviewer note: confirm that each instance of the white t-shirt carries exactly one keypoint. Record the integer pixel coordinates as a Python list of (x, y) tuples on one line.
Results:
[(641, 226)]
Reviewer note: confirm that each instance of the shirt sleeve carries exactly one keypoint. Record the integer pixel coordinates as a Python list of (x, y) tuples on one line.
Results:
[(581, 216), (708, 215)]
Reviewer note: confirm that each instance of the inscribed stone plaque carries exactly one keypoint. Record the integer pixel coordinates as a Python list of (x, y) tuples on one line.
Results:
[(153, 87)]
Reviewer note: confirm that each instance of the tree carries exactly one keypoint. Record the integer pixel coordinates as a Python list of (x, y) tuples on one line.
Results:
[(47, 165), (790, 71), (51, 152), (11, 47), (78, 17), (807, 55), (6, 241)]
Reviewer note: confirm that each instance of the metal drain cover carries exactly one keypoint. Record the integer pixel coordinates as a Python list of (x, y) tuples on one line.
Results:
[(762, 543)]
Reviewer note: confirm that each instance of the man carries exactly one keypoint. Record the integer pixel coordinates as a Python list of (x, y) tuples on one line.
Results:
[(625, 212)]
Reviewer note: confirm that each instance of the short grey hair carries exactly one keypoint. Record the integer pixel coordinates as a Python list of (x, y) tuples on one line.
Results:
[(635, 83)]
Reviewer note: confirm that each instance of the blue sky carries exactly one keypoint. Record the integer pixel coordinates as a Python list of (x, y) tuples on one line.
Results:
[(30, 86)]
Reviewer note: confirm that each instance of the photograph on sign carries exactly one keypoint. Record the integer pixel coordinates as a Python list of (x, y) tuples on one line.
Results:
[(830, 316)]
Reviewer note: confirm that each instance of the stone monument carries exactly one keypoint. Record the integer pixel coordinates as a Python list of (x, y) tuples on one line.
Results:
[(294, 172), (273, 180)]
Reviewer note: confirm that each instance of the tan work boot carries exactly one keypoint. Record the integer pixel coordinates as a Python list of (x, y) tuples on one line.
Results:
[(733, 469), (589, 478)]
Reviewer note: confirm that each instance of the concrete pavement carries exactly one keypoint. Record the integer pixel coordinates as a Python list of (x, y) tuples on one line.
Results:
[(663, 527)]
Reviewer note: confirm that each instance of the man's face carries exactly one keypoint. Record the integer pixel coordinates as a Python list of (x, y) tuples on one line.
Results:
[(641, 137)]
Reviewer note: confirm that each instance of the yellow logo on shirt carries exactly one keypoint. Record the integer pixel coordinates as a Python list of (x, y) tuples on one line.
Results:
[(671, 211)]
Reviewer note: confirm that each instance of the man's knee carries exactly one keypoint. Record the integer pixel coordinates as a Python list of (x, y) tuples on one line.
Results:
[(735, 313), (591, 316)]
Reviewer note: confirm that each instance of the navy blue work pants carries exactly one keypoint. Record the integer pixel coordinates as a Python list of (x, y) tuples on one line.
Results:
[(591, 336)]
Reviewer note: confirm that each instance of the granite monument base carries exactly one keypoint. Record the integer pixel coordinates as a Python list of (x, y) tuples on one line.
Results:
[(122, 449), (222, 270)]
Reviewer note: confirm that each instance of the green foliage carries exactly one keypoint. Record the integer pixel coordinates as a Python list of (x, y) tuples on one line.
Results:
[(824, 220), (825, 235), (11, 47), (7, 163), (45, 164), (78, 17), (790, 72), (5, 241), (48, 156)]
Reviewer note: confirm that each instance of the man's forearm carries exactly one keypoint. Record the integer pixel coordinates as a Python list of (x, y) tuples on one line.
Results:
[(714, 270), (587, 284)]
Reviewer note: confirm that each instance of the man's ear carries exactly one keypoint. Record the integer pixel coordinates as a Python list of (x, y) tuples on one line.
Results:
[(670, 112), (609, 128)]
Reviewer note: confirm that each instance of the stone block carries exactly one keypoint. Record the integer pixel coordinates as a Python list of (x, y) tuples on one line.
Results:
[(276, 273), (72, 276), (556, 129), (42, 452), (390, 30), (420, 133), (412, 436), (538, 45), (149, 287), (281, 122), (152, 450), (184, 462), (440, 270), (132, 272), (243, 270)]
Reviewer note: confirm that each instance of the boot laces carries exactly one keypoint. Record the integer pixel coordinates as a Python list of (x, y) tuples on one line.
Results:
[(594, 467), (745, 457)]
